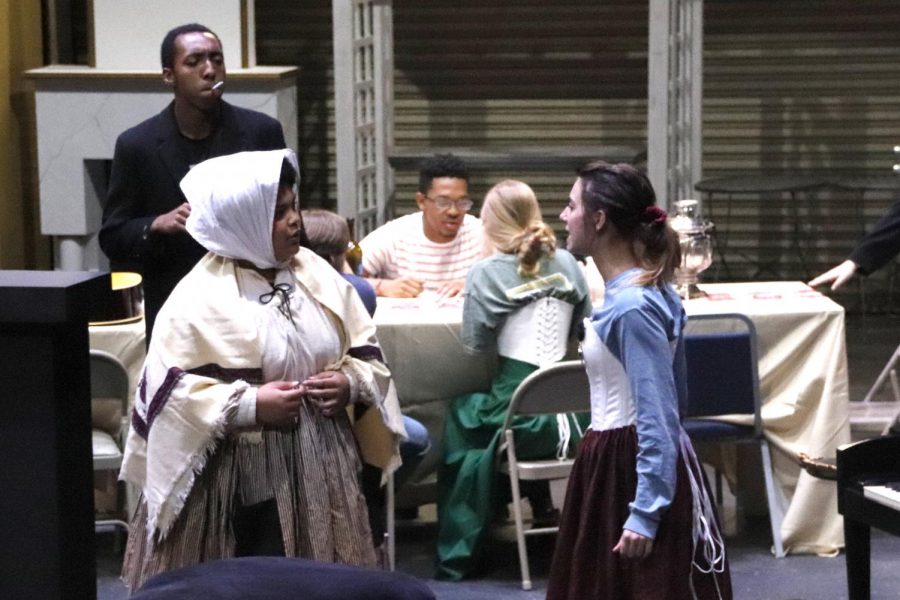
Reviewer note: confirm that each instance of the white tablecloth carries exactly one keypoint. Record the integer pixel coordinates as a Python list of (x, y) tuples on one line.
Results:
[(803, 382)]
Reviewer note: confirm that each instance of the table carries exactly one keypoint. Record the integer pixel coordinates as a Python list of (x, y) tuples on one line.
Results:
[(420, 340), (803, 382)]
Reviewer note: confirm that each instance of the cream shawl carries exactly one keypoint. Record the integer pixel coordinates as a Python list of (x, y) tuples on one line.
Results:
[(204, 354)]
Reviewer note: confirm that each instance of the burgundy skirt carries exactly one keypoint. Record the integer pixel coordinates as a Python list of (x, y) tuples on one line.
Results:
[(602, 483)]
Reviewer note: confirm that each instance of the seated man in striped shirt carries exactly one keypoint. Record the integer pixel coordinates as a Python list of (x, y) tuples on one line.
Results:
[(431, 249)]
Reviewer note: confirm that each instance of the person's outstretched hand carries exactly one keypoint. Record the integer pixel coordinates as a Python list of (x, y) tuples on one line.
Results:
[(278, 403), (837, 276)]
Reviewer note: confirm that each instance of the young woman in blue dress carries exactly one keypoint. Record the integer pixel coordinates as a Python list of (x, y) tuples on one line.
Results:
[(637, 520)]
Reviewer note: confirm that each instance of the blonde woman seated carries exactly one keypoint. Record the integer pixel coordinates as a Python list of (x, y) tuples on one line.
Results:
[(241, 442), (523, 302)]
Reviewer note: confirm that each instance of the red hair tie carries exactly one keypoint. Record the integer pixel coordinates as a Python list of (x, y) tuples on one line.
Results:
[(654, 215)]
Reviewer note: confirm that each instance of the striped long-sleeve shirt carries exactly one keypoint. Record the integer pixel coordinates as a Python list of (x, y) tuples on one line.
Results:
[(399, 249)]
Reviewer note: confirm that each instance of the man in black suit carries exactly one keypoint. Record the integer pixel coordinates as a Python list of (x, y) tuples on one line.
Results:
[(145, 211)]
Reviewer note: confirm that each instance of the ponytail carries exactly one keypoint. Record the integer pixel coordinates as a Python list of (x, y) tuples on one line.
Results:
[(659, 251), (534, 243), (513, 225)]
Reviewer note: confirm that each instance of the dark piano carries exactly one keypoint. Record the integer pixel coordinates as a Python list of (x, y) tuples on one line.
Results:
[(867, 473)]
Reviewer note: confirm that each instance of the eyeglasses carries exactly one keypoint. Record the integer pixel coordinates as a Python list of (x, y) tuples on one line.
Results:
[(462, 205)]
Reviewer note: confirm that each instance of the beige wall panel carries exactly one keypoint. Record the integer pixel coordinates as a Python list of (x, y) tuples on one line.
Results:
[(128, 32)]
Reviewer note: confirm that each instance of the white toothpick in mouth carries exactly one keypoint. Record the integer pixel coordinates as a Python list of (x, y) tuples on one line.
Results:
[(218, 85)]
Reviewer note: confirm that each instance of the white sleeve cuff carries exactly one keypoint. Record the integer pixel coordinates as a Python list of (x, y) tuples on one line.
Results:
[(352, 377), (246, 413)]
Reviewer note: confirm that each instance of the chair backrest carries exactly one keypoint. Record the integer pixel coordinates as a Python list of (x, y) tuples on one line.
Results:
[(558, 388), (722, 367), (109, 392)]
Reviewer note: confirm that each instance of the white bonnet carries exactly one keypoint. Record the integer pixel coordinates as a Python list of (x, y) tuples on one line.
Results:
[(233, 201)]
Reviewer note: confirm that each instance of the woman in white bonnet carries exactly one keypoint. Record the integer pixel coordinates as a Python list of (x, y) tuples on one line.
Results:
[(242, 439)]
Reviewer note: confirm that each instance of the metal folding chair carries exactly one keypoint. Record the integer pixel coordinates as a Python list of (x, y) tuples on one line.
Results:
[(109, 390), (723, 379), (558, 388), (872, 417)]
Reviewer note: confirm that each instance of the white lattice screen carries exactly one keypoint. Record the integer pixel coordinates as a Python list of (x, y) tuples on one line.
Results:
[(363, 84), (675, 96)]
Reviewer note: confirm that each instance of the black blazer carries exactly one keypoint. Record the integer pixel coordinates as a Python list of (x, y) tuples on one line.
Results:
[(879, 245), (150, 160)]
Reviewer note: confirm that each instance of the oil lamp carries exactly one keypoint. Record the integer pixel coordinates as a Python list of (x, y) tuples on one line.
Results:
[(696, 247)]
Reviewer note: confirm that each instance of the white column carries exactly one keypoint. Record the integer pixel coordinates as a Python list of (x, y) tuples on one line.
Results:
[(674, 98)]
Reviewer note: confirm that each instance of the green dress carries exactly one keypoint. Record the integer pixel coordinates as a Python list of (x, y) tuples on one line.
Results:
[(468, 481)]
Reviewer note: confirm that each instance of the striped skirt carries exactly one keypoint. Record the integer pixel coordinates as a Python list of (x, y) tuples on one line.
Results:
[(312, 472), (602, 483)]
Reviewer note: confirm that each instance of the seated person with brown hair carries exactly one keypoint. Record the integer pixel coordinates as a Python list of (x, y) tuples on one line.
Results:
[(328, 235)]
